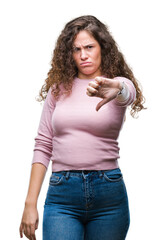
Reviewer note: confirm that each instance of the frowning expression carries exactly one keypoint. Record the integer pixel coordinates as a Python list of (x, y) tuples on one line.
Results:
[(87, 55)]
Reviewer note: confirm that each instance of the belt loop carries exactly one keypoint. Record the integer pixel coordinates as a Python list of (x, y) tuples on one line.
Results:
[(100, 173), (67, 175), (83, 175)]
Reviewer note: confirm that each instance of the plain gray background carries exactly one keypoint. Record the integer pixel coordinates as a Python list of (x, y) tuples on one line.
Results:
[(29, 30)]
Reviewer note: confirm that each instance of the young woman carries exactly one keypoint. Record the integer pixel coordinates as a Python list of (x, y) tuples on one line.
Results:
[(86, 93)]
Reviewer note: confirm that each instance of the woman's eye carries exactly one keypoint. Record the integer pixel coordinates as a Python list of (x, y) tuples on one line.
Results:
[(75, 49), (89, 47)]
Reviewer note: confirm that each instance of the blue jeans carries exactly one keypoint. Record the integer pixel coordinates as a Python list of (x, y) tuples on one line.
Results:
[(86, 205)]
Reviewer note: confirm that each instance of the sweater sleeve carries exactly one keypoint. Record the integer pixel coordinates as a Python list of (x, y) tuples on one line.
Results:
[(43, 140), (130, 93)]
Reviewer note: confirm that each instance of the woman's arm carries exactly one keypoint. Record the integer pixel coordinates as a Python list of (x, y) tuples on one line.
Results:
[(42, 154), (119, 88), (29, 222)]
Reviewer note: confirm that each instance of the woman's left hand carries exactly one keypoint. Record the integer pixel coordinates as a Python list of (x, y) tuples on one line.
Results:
[(104, 88)]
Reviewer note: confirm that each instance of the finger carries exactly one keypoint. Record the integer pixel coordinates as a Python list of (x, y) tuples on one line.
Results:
[(93, 84), (27, 231), (21, 230), (89, 94), (101, 80), (91, 90), (101, 103), (37, 222), (32, 232)]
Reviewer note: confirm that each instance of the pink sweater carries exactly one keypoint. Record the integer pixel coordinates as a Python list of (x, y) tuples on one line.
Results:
[(74, 136)]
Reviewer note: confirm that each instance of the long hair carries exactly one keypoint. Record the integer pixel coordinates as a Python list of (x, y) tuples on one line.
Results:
[(63, 68)]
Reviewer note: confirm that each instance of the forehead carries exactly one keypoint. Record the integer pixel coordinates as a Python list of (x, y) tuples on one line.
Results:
[(84, 38)]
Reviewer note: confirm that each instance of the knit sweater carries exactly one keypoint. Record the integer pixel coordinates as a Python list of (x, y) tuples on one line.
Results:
[(74, 136)]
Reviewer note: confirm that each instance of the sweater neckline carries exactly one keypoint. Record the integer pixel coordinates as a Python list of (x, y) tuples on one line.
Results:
[(86, 79), (83, 79)]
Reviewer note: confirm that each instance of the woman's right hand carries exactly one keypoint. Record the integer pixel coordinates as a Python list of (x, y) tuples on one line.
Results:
[(29, 222)]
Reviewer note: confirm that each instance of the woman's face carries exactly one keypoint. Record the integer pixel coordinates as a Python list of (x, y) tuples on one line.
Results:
[(87, 55)]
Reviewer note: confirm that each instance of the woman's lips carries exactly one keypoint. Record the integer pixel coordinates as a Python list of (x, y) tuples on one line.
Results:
[(85, 64)]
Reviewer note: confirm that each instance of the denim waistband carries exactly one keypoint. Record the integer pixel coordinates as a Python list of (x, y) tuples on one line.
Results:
[(67, 173), (85, 171)]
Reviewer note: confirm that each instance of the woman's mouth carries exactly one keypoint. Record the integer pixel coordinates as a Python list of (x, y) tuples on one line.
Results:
[(85, 64)]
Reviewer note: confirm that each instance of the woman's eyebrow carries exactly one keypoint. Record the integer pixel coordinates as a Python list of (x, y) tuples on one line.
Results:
[(89, 44), (85, 45)]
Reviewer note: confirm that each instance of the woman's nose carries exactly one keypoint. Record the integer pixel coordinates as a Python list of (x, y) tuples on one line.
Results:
[(83, 55)]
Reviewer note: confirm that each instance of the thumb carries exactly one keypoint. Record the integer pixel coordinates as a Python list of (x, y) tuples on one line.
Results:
[(101, 103), (36, 225)]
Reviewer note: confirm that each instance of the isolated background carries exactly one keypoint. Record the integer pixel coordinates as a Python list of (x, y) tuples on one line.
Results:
[(29, 30)]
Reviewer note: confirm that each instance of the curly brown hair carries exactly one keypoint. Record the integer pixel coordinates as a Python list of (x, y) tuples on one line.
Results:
[(63, 68)]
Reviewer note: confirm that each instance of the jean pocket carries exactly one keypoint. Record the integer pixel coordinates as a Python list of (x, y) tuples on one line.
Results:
[(113, 175), (56, 179)]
